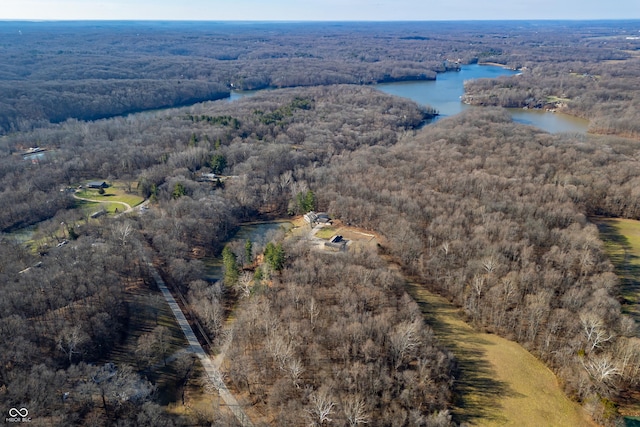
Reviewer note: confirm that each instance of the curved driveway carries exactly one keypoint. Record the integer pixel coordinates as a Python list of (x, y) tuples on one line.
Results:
[(126, 205)]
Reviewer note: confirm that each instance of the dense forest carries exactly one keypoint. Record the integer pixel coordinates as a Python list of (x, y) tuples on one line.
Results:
[(491, 214), (58, 70)]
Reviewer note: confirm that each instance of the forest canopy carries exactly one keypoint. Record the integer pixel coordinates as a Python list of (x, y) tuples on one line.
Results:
[(493, 215), (58, 70)]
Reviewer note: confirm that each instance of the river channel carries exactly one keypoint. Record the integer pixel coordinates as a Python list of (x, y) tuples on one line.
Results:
[(445, 92)]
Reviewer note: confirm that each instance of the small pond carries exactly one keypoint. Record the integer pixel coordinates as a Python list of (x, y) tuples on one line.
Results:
[(259, 234)]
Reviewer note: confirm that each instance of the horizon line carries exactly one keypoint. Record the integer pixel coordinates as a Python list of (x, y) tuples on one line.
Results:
[(306, 21)]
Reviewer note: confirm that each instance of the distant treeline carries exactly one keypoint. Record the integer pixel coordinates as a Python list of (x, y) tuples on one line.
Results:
[(55, 71), (59, 100)]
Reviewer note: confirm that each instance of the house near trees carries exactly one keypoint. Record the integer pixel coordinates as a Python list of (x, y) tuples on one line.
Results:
[(206, 177), (317, 218), (97, 184)]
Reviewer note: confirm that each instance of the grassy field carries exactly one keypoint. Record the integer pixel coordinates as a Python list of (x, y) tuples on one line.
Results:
[(622, 245), (91, 207), (500, 383), (347, 232), (326, 233), (112, 201), (115, 193)]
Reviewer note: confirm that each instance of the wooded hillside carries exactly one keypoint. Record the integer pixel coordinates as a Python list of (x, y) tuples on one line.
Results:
[(491, 214), (58, 70)]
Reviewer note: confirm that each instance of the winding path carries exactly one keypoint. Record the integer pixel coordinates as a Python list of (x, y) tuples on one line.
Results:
[(126, 205)]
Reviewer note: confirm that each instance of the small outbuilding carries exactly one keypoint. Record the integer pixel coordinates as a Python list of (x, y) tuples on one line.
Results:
[(98, 214)]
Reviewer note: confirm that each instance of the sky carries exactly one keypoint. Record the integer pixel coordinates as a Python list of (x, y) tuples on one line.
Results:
[(317, 10)]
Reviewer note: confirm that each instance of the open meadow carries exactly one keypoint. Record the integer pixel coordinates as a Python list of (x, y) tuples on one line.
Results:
[(499, 382)]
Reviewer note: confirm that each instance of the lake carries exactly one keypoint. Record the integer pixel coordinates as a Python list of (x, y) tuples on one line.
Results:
[(444, 94)]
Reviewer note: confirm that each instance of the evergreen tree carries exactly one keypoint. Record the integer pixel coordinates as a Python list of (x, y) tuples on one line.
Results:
[(231, 272), (309, 201), (305, 201), (178, 190), (218, 163), (274, 256), (248, 251)]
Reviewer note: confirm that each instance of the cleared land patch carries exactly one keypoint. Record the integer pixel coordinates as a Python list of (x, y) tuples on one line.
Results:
[(499, 382), (115, 193), (622, 245), (326, 233), (346, 231)]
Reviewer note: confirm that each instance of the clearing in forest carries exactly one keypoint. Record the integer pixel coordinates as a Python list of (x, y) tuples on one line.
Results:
[(347, 232), (622, 244), (499, 383), (116, 193)]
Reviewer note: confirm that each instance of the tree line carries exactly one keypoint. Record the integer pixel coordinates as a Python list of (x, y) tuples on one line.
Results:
[(54, 71)]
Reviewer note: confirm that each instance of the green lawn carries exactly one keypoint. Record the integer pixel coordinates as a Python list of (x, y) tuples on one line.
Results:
[(326, 233), (622, 245), (91, 207), (111, 194), (500, 383)]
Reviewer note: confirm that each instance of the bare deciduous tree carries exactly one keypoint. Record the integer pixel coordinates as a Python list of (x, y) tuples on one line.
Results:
[(404, 340), (602, 368), (70, 340), (355, 409), (295, 369), (321, 405), (594, 330)]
